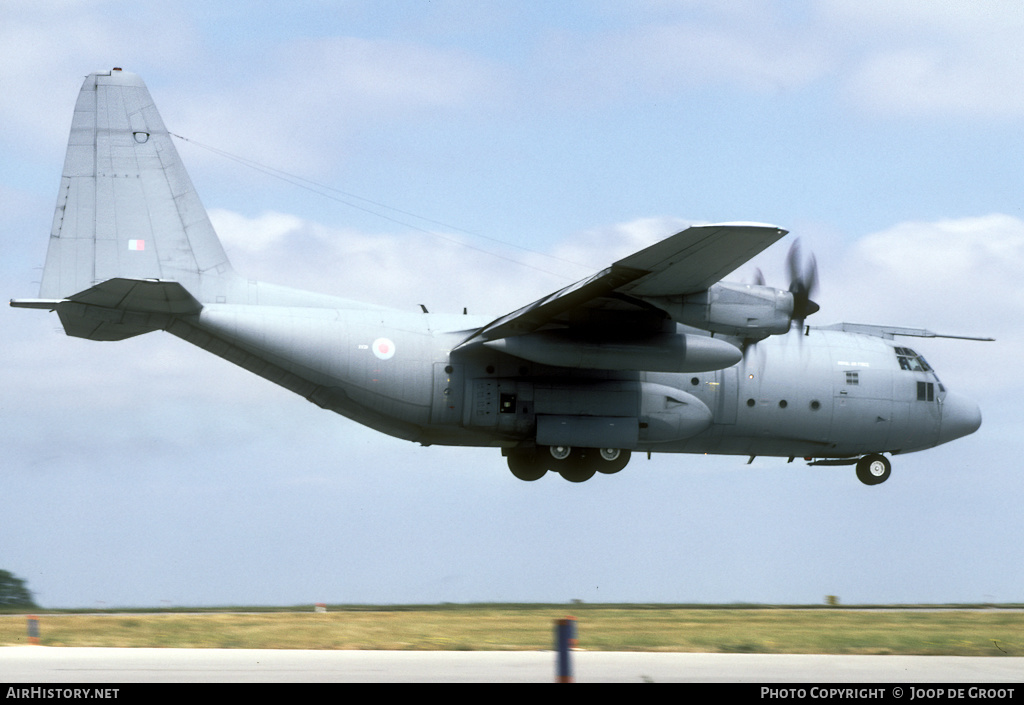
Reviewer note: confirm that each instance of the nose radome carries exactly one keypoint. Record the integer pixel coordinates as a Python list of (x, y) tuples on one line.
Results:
[(960, 417)]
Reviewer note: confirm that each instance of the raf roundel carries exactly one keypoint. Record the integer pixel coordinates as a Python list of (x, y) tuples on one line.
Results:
[(383, 348)]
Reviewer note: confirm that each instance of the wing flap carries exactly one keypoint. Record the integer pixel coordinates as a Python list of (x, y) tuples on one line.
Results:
[(531, 317)]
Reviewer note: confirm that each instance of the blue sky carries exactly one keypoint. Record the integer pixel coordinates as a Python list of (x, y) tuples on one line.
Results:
[(535, 143)]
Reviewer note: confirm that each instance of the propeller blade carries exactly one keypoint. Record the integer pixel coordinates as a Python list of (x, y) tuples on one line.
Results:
[(793, 261), (803, 280)]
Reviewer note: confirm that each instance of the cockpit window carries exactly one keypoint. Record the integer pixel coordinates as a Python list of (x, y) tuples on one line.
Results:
[(911, 361)]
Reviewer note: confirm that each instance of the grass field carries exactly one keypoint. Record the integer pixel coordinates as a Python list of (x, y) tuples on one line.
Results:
[(960, 632)]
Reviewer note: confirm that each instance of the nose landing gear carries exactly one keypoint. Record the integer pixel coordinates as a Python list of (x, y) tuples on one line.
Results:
[(873, 469)]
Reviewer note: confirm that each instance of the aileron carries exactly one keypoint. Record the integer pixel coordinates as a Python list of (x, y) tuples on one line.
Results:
[(698, 257)]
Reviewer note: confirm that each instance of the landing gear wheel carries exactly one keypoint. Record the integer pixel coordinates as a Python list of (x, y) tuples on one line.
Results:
[(560, 453), (612, 460), (572, 463), (873, 469), (577, 472), (527, 465)]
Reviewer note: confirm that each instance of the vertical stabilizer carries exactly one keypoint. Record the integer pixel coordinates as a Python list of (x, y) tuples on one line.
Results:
[(127, 208)]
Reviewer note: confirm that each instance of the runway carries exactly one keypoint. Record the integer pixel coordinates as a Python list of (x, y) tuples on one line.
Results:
[(40, 664)]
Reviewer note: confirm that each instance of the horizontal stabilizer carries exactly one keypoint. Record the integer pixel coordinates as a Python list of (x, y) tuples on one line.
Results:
[(42, 304), (142, 295), (119, 308)]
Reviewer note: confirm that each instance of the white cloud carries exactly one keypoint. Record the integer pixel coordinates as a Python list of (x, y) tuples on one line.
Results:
[(250, 102), (252, 234), (46, 49), (660, 59), (372, 75), (929, 59), (934, 81), (443, 271), (902, 58), (313, 96), (996, 18), (980, 251), (597, 248)]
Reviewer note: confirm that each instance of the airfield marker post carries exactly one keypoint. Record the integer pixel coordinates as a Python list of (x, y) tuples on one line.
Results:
[(33, 630), (565, 641)]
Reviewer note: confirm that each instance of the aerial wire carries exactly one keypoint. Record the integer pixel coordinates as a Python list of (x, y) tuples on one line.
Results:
[(328, 192)]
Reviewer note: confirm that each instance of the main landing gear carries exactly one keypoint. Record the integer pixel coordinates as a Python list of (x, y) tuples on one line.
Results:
[(574, 464)]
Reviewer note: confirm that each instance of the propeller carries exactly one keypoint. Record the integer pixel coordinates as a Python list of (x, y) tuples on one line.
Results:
[(803, 280)]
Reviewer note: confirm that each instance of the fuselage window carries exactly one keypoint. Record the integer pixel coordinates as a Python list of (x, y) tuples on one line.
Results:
[(853, 378), (926, 391)]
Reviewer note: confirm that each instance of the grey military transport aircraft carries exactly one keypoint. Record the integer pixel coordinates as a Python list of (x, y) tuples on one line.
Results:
[(653, 354)]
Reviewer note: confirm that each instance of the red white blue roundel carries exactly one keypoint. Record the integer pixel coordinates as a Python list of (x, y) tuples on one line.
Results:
[(383, 348)]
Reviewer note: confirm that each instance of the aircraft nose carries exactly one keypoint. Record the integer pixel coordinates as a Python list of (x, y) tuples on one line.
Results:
[(960, 417)]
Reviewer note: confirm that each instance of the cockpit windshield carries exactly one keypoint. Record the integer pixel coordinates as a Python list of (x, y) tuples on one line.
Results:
[(911, 361)]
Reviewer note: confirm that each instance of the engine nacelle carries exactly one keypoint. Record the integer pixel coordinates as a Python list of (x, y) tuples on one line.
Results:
[(742, 310)]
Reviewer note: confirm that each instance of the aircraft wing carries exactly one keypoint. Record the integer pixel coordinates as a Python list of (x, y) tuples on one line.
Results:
[(610, 301)]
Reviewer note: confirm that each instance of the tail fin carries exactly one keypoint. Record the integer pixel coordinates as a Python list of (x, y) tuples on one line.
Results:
[(126, 207), (131, 245)]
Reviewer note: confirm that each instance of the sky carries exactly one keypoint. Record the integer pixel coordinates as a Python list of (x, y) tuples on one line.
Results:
[(459, 153)]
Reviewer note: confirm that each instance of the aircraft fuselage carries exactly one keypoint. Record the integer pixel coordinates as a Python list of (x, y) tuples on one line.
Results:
[(822, 394)]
